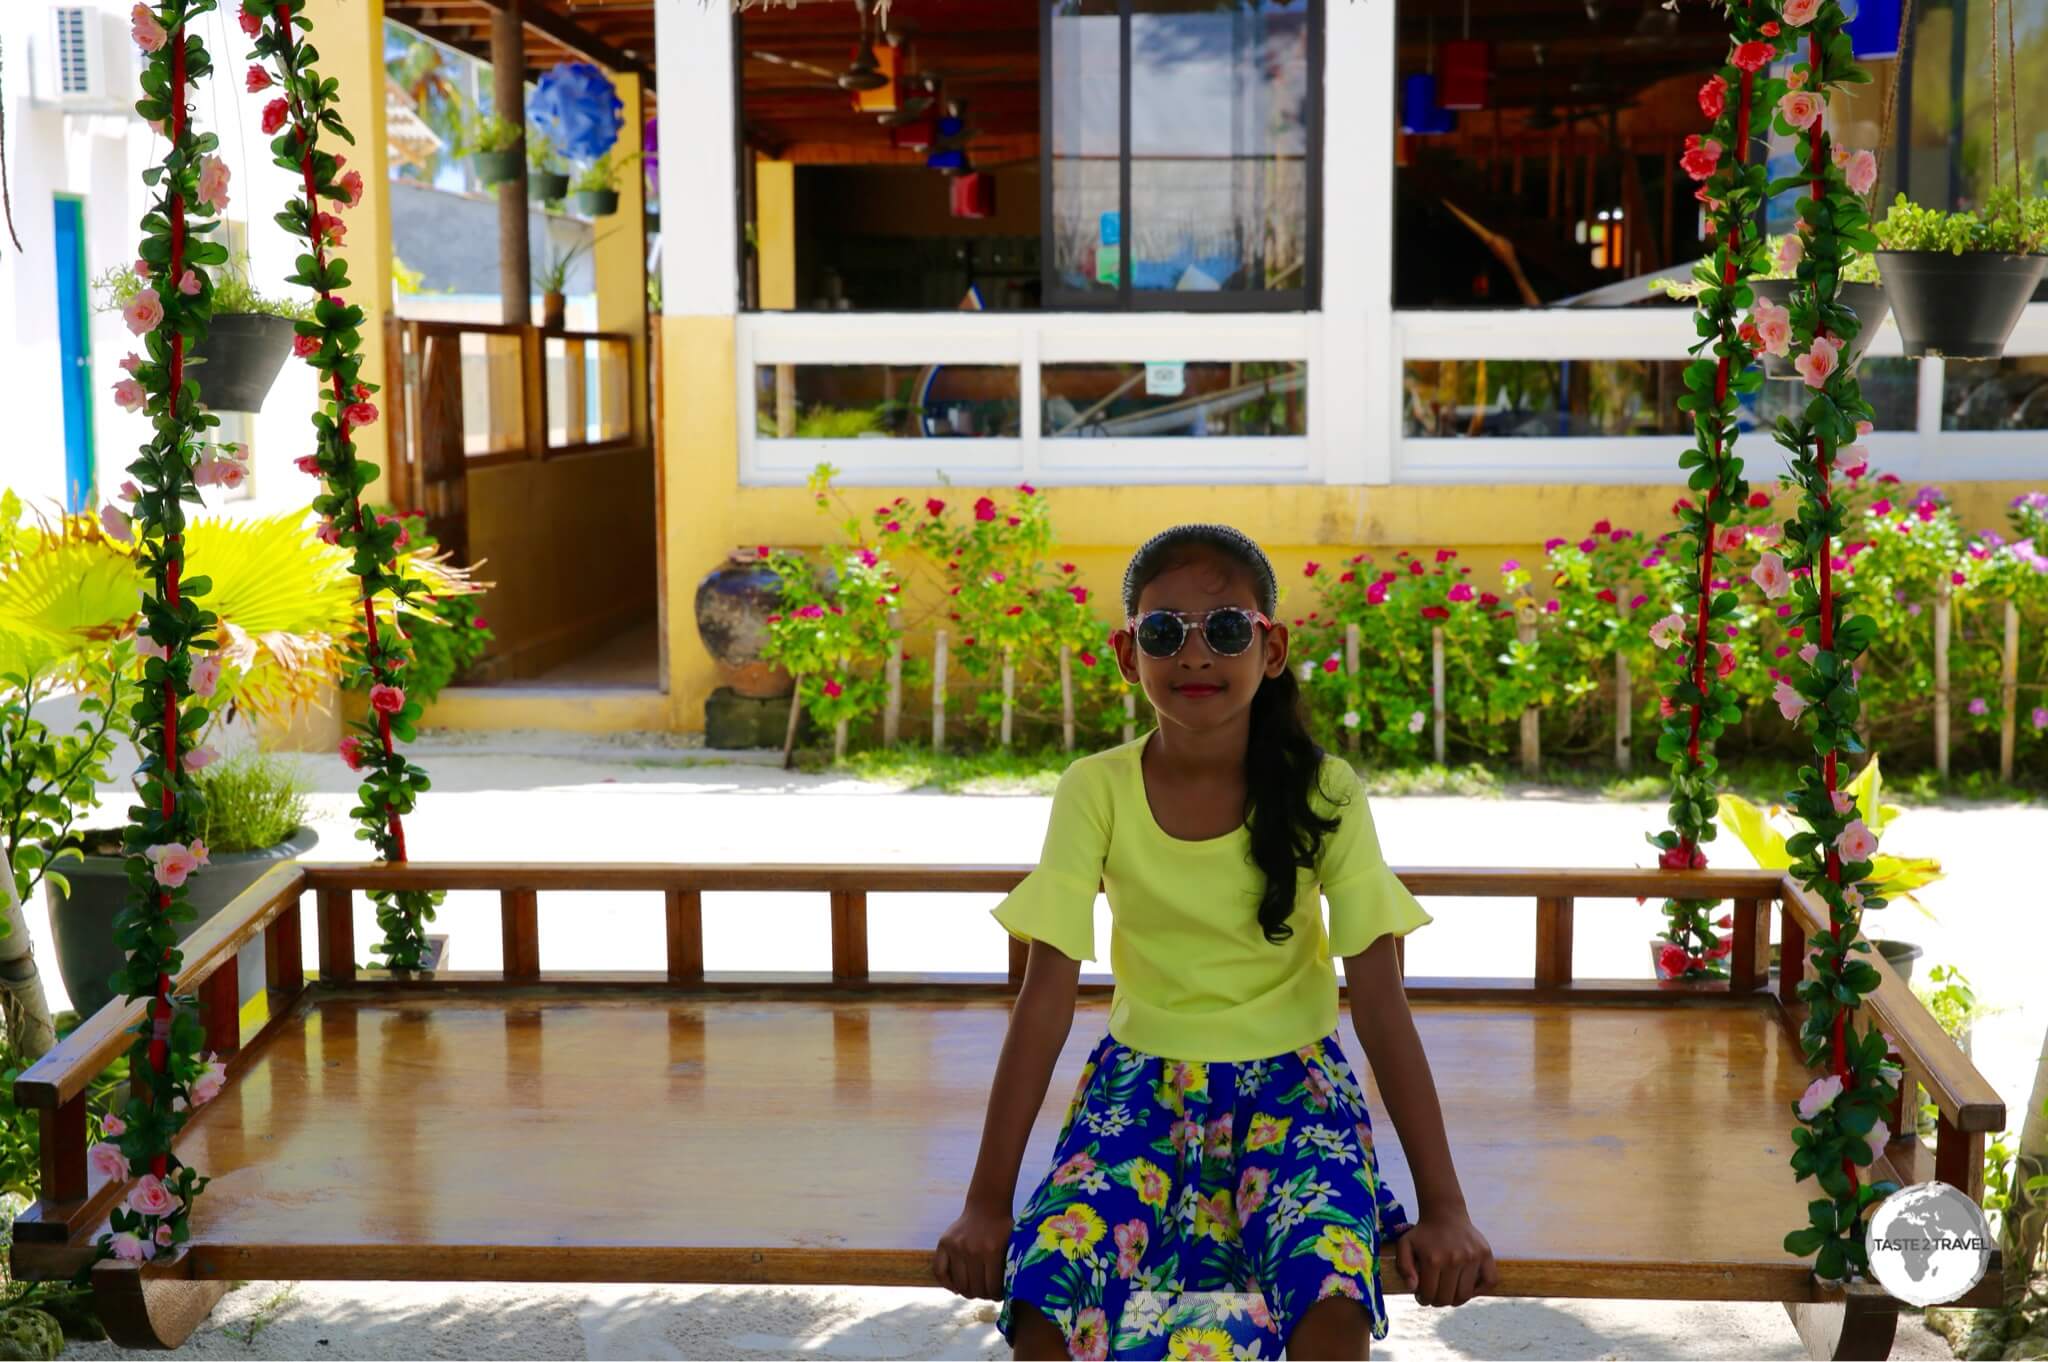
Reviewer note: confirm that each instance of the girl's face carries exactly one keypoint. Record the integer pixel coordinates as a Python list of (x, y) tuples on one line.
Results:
[(1196, 688)]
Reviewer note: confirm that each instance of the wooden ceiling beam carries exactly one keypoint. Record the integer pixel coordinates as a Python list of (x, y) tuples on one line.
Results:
[(541, 17)]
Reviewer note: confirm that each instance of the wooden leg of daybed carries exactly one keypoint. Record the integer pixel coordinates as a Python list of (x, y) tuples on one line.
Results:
[(1858, 1321), (152, 1307)]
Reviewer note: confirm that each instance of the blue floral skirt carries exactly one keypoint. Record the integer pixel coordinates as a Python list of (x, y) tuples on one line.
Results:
[(1199, 1209)]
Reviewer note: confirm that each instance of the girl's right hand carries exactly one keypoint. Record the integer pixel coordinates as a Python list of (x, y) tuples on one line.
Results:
[(970, 1257)]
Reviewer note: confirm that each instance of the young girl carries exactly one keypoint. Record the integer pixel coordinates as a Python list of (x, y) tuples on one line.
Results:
[(1217, 1143)]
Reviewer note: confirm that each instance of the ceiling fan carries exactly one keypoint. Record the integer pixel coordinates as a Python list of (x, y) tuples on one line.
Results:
[(865, 73)]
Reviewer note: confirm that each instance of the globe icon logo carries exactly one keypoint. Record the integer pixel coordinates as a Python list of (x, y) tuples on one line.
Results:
[(1928, 1243)]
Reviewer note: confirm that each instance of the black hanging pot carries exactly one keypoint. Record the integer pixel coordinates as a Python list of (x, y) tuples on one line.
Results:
[(243, 354), (1958, 306), (546, 185), (1866, 300), (596, 203)]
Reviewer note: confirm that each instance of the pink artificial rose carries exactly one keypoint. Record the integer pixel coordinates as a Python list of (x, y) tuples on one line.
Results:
[(1861, 172), (1817, 365), (1666, 631), (1713, 97), (1799, 13), (1791, 251), (128, 1247), (257, 81), (1752, 56), (1771, 576), (205, 677), (361, 413), (1809, 653), (188, 283), (1856, 842), (143, 312), (142, 270), (1726, 668), (220, 471), (1791, 703), (149, 1196), (174, 863), (164, 1236), (1702, 156), (351, 750), (129, 395), (1773, 324), (116, 523), (386, 699), (1852, 461), (274, 115), (199, 852), (252, 24), (308, 464), (1843, 801), (149, 35), (213, 182), (305, 347), (1729, 539), (109, 1162), (147, 648), (1673, 960), (199, 758), (352, 185), (114, 1126), (1819, 1096), (209, 1083), (1802, 108)]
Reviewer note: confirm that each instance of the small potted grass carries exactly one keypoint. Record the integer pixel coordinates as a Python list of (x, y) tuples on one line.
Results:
[(546, 178), (551, 278), (247, 339), (493, 147), (596, 190), (1959, 281)]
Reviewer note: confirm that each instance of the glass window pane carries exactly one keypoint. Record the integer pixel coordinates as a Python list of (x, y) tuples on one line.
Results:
[(1891, 385), (1086, 92), (906, 401), (2011, 394), (1542, 398), (1175, 399), (1219, 145), (493, 401)]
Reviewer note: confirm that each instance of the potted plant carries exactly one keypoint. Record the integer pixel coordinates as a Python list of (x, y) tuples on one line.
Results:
[(1861, 292), (1891, 876), (546, 179), (1959, 281), (246, 342), (253, 818), (493, 146), (551, 276), (596, 190)]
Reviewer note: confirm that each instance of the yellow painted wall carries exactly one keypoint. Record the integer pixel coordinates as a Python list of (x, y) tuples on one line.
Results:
[(775, 233), (701, 516), (350, 38), (619, 262)]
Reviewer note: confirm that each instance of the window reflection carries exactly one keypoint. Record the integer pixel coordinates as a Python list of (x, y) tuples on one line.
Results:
[(1086, 95), (1175, 399), (871, 401), (1540, 398), (2009, 395)]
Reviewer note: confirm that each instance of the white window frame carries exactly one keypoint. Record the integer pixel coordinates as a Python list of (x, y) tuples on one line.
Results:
[(1028, 340)]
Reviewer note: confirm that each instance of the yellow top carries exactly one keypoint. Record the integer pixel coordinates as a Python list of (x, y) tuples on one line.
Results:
[(1195, 976)]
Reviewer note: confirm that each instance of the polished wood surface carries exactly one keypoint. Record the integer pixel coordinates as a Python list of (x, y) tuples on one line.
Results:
[(1624, 1151)]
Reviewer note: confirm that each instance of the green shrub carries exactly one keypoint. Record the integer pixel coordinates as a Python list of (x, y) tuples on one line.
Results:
[(251, 802), (2009, 224)]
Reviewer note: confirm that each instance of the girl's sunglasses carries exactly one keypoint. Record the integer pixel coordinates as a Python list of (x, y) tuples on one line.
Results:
[(1228, 630)]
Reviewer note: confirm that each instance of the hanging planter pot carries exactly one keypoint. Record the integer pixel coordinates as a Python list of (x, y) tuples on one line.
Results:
[(1958, 306), (1867, 300), (596, 203), (243, 354), (546, 185), (495, 167)]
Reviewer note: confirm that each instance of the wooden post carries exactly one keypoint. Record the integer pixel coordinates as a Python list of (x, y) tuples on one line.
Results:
[(849, 934), (2009, 692), (1436, 685), (1624, 714), (508, 93), (1942, 594), (1066, 698), (1130, 716), (892, 711), (685, 936), (1009, 692), (284, 961), (335, 909), (839, 741), (1532, 739), (1748, 963), (1791, 954), (1553, 942), (519, 918), (796, 716), (1351, 670), (939, 691), (220, 999)]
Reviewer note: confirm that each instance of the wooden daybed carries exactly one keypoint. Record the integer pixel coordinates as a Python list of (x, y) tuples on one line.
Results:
[(1616, 1138)]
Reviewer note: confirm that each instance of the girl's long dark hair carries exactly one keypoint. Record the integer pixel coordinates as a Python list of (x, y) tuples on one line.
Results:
[(1283, 769)]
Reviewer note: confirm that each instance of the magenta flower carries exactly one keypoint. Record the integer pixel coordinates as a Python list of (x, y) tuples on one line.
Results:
[(386, 699), (1462, 591), (1552, 545), (1979, 707), (834, 689)]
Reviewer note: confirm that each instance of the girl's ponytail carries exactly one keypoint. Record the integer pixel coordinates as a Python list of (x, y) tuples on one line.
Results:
[(1283, 769)]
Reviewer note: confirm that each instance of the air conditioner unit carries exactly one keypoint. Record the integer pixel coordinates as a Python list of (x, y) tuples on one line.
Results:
[(85, 60)]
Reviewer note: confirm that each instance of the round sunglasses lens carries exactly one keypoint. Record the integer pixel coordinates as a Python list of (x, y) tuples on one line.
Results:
[(1160, 634), (1229, 632)]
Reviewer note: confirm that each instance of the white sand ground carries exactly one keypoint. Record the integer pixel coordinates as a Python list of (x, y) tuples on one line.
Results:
[(533, 797)]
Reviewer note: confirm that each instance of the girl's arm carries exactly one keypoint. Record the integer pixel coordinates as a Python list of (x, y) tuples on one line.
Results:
[(970, 1254), (1445, 1257)]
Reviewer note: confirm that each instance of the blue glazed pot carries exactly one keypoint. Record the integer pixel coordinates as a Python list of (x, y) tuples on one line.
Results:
[(733, 604)]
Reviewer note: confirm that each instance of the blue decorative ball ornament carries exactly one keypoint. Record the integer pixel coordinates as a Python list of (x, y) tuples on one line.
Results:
[(575, 107)]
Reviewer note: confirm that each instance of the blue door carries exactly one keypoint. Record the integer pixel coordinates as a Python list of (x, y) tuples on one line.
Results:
[(74, 347)]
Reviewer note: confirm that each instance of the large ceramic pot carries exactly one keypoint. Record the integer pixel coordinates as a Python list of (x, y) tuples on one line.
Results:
[(242, 355), (1959, 306), (83, 921), (1866, 300), (733, 605)]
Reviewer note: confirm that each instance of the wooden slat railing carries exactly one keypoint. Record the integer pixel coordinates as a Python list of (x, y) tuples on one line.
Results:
[(72, 1200)]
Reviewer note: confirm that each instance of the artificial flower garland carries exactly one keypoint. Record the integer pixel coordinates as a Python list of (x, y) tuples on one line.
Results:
[(171, 316), (1841, 1126), (332, 343), (1698, 703)]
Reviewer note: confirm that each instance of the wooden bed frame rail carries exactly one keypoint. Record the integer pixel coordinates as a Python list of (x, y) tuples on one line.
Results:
[(74, 1199)]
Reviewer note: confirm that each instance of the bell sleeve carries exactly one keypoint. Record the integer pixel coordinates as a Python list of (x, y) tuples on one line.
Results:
[(1055, 903), (1366, 900)]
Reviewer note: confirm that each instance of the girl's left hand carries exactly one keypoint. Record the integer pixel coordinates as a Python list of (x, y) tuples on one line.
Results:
[(1446, 1260)]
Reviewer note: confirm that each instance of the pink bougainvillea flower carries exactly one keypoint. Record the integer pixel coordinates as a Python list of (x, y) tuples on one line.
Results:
[(275, 114), (1435, 612), (1817, 365), (984, 509), (174, 861), (149, 35), (1088, 659), (1773, 324), (1552, 545), (199, 758), (1550, 607), (1802, 109), (1446, 555), (129, 395), (361, 413), (1791, 703), (351, 750), (1819, 1096), (127, 1247), (213, 183), (1588, 545), (1376, 594), (1462, 591), (1079, 593), (144, 311), (834, 689), (188, 283), (1758, 500), (116, 523), (1713, 97), (305, 347), (1330, 664), (2039, 718), (1769, 574), (1881, 507), (933, 506), (1856, 842), (328, 532), (205, 677), (1026, 488), (1702, 156), (1752, 56), (386, 699), (868, 558), (1678, 858)]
